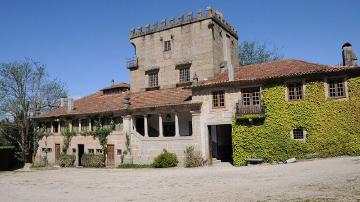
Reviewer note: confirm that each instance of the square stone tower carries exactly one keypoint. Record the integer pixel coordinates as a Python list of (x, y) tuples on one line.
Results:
[(169, 54)]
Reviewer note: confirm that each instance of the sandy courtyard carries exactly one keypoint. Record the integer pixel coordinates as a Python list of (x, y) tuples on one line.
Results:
[(336, 179)]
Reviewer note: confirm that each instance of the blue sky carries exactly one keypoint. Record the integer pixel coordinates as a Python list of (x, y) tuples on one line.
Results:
[(86, 43)]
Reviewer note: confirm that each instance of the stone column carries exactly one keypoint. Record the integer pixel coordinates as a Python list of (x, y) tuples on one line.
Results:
[(127, 124), (70, 125), (146, 130), (177, 132), (52, 127), (79, 125), (160, 126), (59, 126), (90, 127)]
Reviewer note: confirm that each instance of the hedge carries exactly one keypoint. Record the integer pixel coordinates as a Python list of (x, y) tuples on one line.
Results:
[(92, 160), (332, 126), (67, 160), (165, 160)]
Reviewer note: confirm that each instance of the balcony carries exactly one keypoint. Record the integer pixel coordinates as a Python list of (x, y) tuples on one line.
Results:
[(242, 111), (132, 63)]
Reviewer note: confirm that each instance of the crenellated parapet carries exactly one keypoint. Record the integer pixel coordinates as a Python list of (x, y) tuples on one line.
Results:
[(184, 20)]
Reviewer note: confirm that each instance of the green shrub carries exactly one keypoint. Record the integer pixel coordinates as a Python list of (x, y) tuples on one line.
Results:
[(93, 160), (165, 160), (67, 160), (129, 165), (192, 158)]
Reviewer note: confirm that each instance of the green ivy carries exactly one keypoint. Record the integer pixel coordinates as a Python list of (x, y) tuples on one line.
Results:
[(333, 126), (68, 134)]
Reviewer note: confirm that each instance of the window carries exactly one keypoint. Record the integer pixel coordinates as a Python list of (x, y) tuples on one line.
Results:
[(184, 75), (250, 96), (298, 134), (167, 46), (336, 88), (218, 99), (99, 151), (295, 91), (119, 152), (74, 151), (90, 151), (153, 79)]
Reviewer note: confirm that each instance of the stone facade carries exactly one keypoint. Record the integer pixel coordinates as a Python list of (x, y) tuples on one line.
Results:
[(205, 43)]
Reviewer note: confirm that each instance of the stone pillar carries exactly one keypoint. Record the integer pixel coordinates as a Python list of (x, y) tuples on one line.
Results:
[(90, 127), (160, 126), (52, 127), (127, 124), (79, 125), (146, 130), (59, 126), (70, 125), (177, 132)]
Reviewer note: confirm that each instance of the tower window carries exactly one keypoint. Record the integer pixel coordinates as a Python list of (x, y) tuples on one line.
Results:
[(167, 46), (184, 75), (153, 79)]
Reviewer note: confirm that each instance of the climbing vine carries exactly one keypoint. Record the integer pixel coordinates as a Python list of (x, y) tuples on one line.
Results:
[(332, 125), (68, 134), (101, 132)]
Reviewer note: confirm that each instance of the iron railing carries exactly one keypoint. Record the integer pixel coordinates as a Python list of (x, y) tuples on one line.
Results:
[(132, 63), (242, 110)]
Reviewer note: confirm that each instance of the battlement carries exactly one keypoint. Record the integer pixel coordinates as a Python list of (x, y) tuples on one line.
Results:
[(182, 20)]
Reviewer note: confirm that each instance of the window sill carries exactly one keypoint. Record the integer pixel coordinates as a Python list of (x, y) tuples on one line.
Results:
[(152, 88), (182, 84)]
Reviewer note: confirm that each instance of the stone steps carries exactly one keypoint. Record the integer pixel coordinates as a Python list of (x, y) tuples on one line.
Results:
[(218, 163)]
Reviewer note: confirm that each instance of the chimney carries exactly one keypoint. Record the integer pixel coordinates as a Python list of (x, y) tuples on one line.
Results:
[(349, 57), (63, 102), (70, 104)]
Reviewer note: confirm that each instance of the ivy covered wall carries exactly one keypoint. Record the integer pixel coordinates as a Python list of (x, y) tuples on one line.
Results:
[(333, 126)]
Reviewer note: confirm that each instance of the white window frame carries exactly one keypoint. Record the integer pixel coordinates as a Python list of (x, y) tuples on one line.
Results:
[(304, 134), (346, 88)]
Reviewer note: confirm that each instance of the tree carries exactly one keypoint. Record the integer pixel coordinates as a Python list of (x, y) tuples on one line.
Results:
[(254, 53), (26, 90)]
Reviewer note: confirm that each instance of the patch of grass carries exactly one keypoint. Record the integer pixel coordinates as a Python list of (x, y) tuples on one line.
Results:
[(129, 165)]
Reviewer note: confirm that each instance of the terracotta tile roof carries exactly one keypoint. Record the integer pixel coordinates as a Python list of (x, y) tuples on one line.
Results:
[(100, 103), (119, 85), (276, 69)]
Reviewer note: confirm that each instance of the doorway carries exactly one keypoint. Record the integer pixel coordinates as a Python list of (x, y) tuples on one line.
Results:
[(80, 153), (220, 142), (57, 153), (110, 155), (140, 125)]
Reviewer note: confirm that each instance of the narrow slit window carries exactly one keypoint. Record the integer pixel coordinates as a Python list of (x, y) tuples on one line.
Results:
[(167, 46)]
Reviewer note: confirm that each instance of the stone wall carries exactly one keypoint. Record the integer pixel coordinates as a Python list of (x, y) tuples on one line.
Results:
[(199, 42)]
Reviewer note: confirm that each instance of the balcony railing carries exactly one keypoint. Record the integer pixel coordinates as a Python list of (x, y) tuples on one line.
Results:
[(242, 110), (132, 63)]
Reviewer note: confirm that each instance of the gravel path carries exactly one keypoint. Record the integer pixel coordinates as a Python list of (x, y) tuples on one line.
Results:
[(335, 179)]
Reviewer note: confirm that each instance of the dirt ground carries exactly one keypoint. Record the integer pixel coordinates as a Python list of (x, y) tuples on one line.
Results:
[(335, 179)]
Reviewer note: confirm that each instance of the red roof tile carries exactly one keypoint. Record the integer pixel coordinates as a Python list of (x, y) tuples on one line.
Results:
[(276, 69), (100, 103)]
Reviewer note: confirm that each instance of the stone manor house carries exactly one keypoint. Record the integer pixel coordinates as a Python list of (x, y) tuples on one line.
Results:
[(186, 88)]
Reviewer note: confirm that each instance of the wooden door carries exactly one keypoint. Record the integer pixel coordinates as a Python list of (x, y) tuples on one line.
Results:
[(110, 155), (57, 153)]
